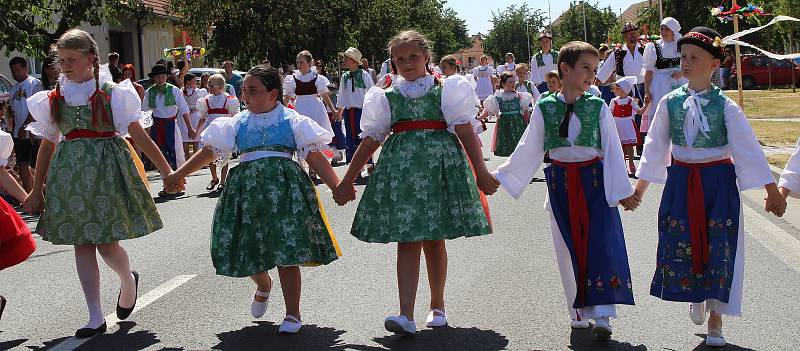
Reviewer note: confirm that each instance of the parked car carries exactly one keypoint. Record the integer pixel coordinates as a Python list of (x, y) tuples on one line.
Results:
[(757, 69)]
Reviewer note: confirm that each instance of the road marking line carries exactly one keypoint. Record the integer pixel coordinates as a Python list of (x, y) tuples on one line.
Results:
[(73, 343), (773, 238)]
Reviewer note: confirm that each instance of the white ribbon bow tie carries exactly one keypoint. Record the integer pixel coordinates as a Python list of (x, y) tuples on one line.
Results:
[(694, 105)]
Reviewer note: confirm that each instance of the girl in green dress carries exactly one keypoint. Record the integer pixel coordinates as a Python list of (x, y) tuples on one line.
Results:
[(423, 189), (513, 110), (96, 189), (268, 214)]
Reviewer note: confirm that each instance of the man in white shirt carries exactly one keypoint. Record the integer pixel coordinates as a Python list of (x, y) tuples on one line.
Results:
[(353, 87), (25, 145), (167, 103), (546, 60)]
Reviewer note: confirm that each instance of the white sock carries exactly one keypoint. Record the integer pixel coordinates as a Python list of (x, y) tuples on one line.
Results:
[(89, 275)]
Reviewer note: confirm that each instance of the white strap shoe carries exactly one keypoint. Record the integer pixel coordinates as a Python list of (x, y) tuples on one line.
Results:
[(579, 324), (400, 325), (697, 311), (602, 329), (436, 318), (715, 338), (257, 309), (290, 325)]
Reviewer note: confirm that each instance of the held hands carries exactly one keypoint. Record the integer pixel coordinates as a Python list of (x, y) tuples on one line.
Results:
[(775, 203), (173, 183), (632, 202), (487, 183), (192, 133), (34, 203), (337, 115), (344, 193)]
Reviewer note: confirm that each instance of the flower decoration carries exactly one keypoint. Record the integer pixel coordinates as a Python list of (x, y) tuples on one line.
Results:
[(748, 11)]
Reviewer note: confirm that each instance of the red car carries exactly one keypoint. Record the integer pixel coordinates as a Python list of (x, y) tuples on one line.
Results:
[(757, 72)]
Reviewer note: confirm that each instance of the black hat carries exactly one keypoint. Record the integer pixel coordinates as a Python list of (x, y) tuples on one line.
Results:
[(628, 27), (706, 38), (158, 69)]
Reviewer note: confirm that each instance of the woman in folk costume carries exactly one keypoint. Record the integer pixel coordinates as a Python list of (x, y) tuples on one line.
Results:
[(96, 192), (513, 111), (585, 183), (484, 76), (424, 123), (790, 178), (624, 108), (166, 104), (191, 94), (353, 86), (310, 91), (662, 65), (16, 241), (215, 105), (269, 215), (524, 85), (695, 134)]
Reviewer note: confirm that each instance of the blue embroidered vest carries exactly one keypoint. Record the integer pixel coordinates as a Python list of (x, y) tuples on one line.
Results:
[(255, 136)]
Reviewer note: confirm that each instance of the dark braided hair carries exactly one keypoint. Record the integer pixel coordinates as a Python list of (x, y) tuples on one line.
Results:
[(269, 77)]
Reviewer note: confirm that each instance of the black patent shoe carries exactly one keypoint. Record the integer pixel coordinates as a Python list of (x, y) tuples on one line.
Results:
[(124, 313), (84, 333)]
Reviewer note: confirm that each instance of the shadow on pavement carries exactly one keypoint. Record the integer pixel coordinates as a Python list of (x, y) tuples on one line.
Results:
[(264, 336), (728, 347), (444, 338), (583, 340), (10, 344), (122, 339)]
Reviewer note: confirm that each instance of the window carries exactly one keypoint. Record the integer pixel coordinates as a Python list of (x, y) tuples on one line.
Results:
[(780, 64)]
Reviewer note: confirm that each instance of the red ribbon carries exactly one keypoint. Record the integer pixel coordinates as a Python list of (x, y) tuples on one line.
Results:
[(404, 126), (89, 134), (696, 206), (578, 220)]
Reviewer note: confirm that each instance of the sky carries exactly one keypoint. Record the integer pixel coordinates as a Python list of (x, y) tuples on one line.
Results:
[(478, 13)]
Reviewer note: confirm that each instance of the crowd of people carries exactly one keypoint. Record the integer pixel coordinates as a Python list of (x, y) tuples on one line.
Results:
[(581, 109)]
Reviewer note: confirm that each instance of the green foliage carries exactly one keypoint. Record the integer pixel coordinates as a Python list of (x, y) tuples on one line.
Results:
[(600, 23), (249, 31), (31, 27), (512, 30)]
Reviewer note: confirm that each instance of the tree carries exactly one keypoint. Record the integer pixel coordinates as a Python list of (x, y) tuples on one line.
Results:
[(600, 23), (31, 26), (514, 30), (287, 28)]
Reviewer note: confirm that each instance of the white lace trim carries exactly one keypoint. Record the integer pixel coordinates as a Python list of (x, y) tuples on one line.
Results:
[(303, 152), (374, 134), (220, 157), (414, 89), (44, 130), (464, 120), (270, 118)]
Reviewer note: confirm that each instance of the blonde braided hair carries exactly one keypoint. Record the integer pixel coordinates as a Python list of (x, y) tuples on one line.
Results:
[(79, 40)]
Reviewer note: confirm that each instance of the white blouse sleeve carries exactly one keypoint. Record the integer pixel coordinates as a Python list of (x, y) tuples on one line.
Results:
[(43, 125), (309, 136), (458, 105), (657, 154), (368, 82), (376, 117), (615, 175), (232, 105), (6, 147), (200, 106), (125, 105), (490, 104), (608, 68), (183, 107), (525, 101), (220, 135), (516, 173), (322, 84), (790, 179), (752, 168), (289, 85), (649, 57)]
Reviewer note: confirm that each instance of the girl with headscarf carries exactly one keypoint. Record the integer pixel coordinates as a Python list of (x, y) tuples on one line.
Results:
[(662, 65)]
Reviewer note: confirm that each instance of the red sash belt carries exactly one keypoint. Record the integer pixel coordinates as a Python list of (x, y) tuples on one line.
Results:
[(578, 220), (696, 206), (416, 125), (90, 134)]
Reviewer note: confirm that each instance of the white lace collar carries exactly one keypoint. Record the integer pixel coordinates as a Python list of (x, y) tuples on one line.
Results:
[(507, 95), (416, 88), (304, 77), (76, 94), (271, 118)]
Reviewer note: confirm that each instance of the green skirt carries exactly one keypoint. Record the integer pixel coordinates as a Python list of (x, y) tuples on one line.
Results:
[(95, 195), (507, 133), (269, 215), (423, 188)]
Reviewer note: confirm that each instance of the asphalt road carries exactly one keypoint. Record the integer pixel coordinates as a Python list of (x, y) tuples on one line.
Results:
[(503, 290)]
